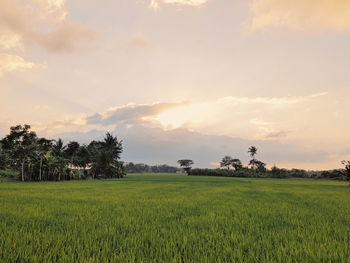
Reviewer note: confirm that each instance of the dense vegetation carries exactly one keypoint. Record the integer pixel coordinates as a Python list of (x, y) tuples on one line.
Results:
[(144, 168), (23, 153), (274, 172), (175, 218), (255, 168)]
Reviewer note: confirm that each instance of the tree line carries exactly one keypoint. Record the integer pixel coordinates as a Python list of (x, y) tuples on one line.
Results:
[(40, 159), (233, 167), (144, 168)]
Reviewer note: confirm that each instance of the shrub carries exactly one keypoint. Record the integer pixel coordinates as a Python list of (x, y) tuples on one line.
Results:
[(9, 174)]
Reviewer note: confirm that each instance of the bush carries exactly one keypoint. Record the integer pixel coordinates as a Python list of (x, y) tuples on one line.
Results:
[(9, 174), (243, 172)]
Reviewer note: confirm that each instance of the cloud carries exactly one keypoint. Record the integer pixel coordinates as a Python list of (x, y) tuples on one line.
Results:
[(156, 146), (131, 112), (260, 118), (277, 134), (40, 23), (10, 63), (272, 100), (141, 42), (66, 38), (155, 4), (300, 14), (205, 131)]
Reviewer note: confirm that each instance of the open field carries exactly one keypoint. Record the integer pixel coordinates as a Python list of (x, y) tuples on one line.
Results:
[(175, 218)]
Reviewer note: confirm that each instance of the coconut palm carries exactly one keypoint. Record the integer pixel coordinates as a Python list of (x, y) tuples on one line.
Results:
[(252, 151)]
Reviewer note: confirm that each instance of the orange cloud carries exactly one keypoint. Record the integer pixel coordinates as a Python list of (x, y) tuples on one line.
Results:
[(42, 23)]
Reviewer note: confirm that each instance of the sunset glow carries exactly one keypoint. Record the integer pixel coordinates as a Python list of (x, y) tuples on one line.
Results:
[(268, 72)]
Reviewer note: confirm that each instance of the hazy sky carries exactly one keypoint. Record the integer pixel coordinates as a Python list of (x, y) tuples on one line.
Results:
[(183, 78)]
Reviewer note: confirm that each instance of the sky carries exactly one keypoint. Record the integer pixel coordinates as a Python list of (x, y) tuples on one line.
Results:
[(175, 79)]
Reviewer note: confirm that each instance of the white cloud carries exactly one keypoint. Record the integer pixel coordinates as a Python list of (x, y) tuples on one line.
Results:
[(272, 100), (10, 41), (301, 14), (155, 4), (260, 118), (10, 63)]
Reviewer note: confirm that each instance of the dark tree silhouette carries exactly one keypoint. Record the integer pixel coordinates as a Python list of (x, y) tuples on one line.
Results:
[(105, 157), (226, 162), (186, 164), (236, 164), (346, 172), (252, 151)]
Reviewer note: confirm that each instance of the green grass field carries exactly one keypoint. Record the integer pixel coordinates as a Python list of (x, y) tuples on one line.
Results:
[(175, 218)]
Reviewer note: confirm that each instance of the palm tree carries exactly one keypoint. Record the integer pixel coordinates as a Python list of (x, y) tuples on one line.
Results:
[(71, 151), (252, 151), (58, 147), (105, 157), (43, 146), (83, 158)]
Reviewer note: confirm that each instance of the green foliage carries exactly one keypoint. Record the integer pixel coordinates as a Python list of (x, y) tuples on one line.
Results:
[(9, 174), (144, 168), (105, 157), (175, 218), (346, 171), (275, 172), (242, 172), (40, 159)]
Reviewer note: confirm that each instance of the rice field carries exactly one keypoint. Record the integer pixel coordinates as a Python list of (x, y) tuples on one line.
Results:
[(175, 218)]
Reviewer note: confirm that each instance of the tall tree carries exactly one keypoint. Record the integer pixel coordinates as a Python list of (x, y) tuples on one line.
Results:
[(105, 157), (186, 164), (71, 151), (43, 147), (252, 151), (20, 144), (83, 158)]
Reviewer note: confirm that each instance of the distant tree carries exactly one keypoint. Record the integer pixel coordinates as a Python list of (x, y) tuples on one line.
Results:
[(346, 172), (258, 166), (186, 164), (226, 162), (261, 167), (252, 151), (236, 164), (278, 172)]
